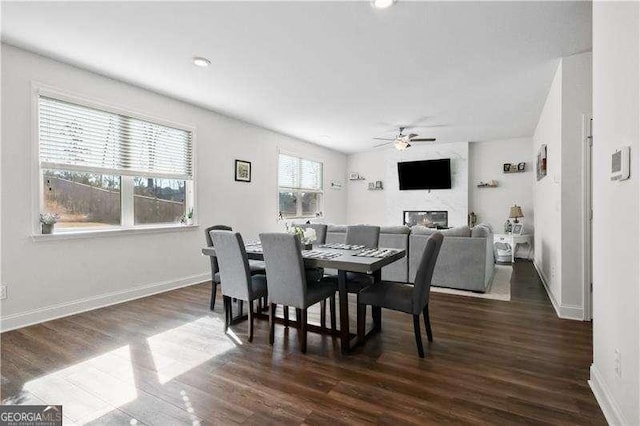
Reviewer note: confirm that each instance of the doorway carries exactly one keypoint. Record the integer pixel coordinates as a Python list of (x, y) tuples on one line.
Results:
[(587, 176)]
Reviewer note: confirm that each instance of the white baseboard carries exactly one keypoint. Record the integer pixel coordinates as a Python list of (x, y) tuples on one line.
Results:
[(563, 311), (47, 313), (608, 405)]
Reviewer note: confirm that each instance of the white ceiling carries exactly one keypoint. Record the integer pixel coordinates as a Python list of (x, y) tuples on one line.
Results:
[(473, 70)]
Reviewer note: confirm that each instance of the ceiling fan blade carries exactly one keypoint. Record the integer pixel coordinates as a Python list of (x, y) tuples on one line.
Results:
[(384, 139), (412, 135), (382, 144), (424, 140)]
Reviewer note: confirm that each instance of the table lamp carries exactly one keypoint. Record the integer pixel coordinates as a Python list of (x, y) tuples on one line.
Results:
[(515, 212)]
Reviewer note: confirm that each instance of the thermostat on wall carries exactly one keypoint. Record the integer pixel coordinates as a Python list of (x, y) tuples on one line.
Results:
[(620, 164)]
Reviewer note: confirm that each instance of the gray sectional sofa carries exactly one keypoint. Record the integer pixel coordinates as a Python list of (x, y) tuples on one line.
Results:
[(465, 262)]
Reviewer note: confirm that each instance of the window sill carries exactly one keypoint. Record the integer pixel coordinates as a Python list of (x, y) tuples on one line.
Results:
[(101, 233)]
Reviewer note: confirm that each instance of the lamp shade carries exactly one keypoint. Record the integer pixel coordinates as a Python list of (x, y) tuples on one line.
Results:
[(515, 212)]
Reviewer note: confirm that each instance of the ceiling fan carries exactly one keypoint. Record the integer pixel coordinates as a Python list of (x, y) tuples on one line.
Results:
[(401, 142)]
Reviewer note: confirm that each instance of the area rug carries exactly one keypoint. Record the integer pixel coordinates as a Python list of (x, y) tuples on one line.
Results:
[(500, 288)]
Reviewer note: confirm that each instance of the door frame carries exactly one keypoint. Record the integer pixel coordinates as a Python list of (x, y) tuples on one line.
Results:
[(587, 209)]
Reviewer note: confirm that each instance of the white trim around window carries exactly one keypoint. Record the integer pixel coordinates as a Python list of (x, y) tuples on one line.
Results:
[(126, 185), (299, 188)]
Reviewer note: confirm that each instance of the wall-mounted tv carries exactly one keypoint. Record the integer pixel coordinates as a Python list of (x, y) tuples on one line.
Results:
[(427, 174)]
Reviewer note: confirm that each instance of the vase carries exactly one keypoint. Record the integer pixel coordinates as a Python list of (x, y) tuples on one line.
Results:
[(47, 228)]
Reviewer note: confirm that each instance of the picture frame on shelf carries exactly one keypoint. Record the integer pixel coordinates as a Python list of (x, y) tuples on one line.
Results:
[(517, 229), (242, 171)]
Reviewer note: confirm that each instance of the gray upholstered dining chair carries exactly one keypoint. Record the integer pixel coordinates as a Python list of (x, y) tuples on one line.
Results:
[(288, 285), (235, 274), (412, 299), (365, 235), (256, 266)]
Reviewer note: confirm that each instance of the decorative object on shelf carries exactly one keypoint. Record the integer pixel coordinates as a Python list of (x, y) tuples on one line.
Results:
[(517, 229), (541, 162), (515, 212), (375, 186), (514, 168), (336, 185), (507, 227), (491, 184), (355, 176), (243, 171), (48, 220), (473, 219)]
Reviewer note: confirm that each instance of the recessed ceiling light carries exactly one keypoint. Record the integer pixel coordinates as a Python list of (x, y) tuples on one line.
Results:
[(382, 4), (199, 61)]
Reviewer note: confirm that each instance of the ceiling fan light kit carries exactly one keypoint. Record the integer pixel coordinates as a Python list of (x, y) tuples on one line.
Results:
[(401, 142)]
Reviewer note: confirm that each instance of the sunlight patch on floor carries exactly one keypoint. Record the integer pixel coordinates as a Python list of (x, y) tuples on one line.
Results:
[(84, 390), (188, 345)]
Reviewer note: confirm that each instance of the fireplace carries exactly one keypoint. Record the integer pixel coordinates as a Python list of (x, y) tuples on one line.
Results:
[(429, 218)]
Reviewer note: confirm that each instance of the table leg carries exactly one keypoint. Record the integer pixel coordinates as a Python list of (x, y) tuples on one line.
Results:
[(376, 311), (514, 246), (344, 312)]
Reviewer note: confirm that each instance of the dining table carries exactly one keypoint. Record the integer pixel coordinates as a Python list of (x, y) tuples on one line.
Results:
[(343, 258)]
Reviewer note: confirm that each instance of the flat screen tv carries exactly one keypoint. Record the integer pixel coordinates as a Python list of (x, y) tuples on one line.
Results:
[(427, 174)]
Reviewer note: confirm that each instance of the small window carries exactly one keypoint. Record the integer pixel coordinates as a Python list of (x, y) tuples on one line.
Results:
[(299, 187), (101, 169)]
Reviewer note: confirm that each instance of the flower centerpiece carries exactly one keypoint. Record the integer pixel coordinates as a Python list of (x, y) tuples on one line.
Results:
[(47, 220), (307, 236)]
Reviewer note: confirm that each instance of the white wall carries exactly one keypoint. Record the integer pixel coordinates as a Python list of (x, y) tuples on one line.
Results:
[(616, 215), (547, 192), (385, 207), (558, 197), (491, 205), (48, 278)]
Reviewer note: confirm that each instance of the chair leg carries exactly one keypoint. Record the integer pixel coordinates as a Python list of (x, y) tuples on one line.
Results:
[(214, 290), (427, 323), (376, 313), (332, 311), (361, 319), (272, 322), (285, 313), (301, 317), (416, 331), (323, 314), (227, 314), (250, 321)]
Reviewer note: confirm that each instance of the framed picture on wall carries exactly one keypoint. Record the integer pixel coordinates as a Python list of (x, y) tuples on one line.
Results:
[(541, 162), (243, 171)]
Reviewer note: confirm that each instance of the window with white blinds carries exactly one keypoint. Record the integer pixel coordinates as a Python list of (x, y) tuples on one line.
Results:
[(102, 170), (299, 187), (76, 137), (299, 173)]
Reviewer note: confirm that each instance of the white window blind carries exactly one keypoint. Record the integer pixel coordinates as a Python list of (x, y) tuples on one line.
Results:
[(299, 173), (76, 137)]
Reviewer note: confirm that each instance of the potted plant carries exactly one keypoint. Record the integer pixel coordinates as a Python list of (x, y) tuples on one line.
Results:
[(47, 220), (187, 219)]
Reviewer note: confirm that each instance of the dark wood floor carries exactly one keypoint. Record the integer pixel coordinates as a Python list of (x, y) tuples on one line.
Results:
[(164, 360)]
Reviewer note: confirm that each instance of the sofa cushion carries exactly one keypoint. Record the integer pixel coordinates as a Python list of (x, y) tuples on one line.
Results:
[(337, 228), (481, 230), (395, 229), (458, 231)]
